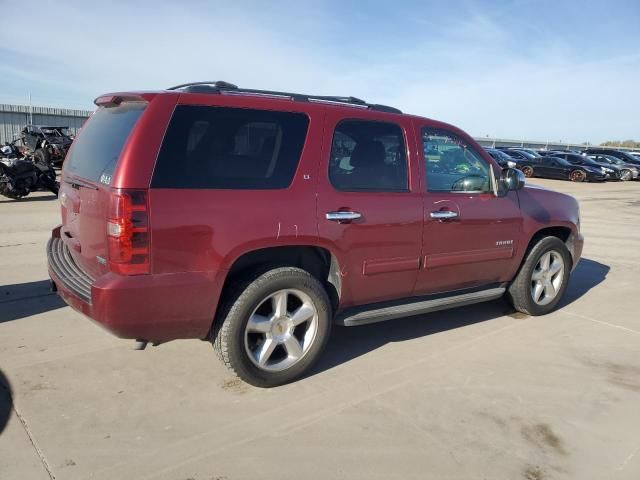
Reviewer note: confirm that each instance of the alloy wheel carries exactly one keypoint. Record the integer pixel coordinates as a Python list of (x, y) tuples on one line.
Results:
[(577, 176), (281, 330), (547, 277), (528, 172)]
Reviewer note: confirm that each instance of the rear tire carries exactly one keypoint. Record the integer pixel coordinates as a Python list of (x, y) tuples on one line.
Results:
[(528, 171), (256, 333), (577, 176), (524, 292)]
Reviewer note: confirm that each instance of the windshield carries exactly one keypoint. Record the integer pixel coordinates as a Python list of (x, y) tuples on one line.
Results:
[(55, 131), (615, 161), (96, 150)]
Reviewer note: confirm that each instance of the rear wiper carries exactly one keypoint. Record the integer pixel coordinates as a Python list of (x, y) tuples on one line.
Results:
[(77, 184)]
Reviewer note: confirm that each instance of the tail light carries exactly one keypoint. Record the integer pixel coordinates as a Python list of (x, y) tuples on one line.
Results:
[(128, 232)]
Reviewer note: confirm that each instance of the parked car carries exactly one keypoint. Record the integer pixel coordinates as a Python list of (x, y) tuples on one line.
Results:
[(48, 145), (530, 151), (519, 156), (504, 160), (622, 155), (611, 172), (628, 171), (257, 219), (560, 169)]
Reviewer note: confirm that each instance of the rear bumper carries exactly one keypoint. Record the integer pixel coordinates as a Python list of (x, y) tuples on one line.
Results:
[(156, 308)]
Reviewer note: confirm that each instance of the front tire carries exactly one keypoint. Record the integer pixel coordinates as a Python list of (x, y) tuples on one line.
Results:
[(542, 279), (528, 171), (626, 175), (273, 327)]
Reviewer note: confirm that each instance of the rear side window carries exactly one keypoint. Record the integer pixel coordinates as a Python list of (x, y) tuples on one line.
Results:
[(230, 148), (96, 150), (368, 156)]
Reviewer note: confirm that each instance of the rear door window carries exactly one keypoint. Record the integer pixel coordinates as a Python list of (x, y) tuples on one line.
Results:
[(230, 148), (96, 150)]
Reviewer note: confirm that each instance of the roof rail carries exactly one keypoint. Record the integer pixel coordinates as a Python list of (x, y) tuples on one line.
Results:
[(225, 88)]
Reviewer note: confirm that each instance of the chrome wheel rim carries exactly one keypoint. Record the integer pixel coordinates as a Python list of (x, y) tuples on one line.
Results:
[(281, 330), (626, 175), (577, 176), (528, 171), (547, 278)]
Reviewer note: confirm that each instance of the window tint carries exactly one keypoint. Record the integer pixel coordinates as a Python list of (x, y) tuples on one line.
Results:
[(96, 150), (230, 148), (368, 156), (451, 165)]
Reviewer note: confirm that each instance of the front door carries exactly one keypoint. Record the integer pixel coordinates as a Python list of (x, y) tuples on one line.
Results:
[(470, 234), (370, 207)]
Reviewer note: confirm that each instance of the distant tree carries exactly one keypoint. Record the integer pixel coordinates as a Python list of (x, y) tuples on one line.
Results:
[(621, 143)]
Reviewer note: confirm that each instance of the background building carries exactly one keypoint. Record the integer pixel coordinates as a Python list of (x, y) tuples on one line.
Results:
[(14, 117)]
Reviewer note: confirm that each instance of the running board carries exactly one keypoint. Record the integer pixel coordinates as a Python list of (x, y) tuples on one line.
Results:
[(378, 313)]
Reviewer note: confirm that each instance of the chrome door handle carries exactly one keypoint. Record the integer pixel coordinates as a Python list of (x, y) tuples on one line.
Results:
[(443, 214), (343, 216)]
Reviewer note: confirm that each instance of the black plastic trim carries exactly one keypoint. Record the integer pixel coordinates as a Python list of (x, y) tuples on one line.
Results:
[(379, 312)]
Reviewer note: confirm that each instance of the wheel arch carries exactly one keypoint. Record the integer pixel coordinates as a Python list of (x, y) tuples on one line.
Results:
[(561, 232), (319, 261)]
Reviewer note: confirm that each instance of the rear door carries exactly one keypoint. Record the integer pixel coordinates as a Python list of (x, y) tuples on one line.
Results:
[(369, 206), (86, 179), (470, 234)]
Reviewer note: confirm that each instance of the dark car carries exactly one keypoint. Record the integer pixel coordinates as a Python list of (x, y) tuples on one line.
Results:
[(611, 172), (47, 144), (519, 154), (561, 169), (626, 156), (256, 220), (504, 160), (628, 171)]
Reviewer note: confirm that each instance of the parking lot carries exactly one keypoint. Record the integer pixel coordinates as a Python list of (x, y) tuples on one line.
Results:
[(471, 393)]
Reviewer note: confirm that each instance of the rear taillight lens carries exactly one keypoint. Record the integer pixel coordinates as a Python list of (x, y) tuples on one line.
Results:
[(128, 232)]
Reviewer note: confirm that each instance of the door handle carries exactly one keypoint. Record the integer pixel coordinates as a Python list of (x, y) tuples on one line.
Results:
[(443, 214), (343, 216)]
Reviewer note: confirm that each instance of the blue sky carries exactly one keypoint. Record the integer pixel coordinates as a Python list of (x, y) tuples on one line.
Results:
[(541, 70)]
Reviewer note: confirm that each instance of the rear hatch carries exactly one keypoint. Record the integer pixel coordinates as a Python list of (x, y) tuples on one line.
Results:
[(85, 190)]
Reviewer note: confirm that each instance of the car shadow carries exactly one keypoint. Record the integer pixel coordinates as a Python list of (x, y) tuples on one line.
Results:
[(348, 343), (25, 299), (29, 199), (587, 274), (6, 401)]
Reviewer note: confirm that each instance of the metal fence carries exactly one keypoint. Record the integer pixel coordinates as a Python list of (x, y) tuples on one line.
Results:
[(13, 118)]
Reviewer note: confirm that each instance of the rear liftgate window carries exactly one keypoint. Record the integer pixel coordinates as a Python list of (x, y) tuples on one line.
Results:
[(96, 150), (230, 148)]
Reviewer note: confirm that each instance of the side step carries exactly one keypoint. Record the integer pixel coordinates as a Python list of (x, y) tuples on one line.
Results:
[(381, 312)]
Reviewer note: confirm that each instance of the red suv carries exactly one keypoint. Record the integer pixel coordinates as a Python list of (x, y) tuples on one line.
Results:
[(256, 219)]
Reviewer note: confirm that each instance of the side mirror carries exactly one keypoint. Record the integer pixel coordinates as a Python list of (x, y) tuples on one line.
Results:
[(511, 164), (512, 179)]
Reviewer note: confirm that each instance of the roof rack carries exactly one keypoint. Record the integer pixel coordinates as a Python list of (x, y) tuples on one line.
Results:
[(225, 88)]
